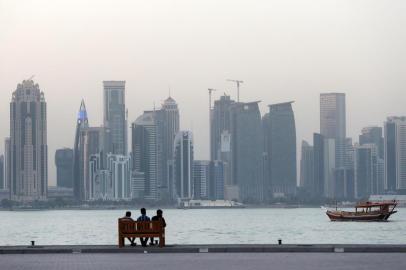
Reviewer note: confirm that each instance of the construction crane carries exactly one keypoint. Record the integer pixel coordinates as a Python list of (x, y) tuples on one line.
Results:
[(238, 88)]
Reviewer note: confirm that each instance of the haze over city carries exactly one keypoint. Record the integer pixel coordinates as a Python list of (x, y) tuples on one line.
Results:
[(282, 50)]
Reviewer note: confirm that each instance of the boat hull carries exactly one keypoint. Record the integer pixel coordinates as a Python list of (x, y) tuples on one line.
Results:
[(352, 216)]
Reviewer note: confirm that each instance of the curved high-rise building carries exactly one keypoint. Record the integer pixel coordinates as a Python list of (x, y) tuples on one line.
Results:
[(78, 176), (28, 143)]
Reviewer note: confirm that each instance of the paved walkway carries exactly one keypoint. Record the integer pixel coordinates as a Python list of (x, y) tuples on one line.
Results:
[(213, 261)]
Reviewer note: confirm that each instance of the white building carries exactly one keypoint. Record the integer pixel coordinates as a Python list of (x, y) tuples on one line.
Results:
[(120, 169)]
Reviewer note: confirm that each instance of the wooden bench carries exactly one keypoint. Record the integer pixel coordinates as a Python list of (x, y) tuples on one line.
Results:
[(128, 228)]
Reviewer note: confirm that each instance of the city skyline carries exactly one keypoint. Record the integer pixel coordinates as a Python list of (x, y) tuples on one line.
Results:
[(162, 46)]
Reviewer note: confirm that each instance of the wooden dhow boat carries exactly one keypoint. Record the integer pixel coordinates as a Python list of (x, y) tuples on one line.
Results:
[(365, 211)]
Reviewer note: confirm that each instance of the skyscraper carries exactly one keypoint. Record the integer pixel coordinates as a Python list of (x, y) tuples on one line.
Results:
[(28, 143), (372, 135), (246, 151), (64, 167), (7, 163), (395, 154), (221, 122), (145, 153), (282, 149), (93, 140), (183, 165), (366, 168), (168, 127), (78, 176), (318, 161), (307, 167), (201, 179), (333, 122), (220, 137), (2, 184), (119, 167), (115, 115), (216, 183)]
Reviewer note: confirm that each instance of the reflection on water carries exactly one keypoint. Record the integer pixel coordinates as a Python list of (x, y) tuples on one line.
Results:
[(208, 226)]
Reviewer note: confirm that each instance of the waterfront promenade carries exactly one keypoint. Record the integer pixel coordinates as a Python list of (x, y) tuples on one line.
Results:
[(198, 261)]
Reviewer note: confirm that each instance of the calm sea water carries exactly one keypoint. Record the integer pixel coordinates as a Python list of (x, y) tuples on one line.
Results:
[(211, 226)]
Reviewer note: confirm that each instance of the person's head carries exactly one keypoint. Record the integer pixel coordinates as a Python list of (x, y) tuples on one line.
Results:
[(159, 213), (128, 214), (143, 211)]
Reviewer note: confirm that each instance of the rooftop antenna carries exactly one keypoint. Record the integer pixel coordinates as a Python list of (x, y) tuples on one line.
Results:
[(238, 88), (169, 87), (32, 77)]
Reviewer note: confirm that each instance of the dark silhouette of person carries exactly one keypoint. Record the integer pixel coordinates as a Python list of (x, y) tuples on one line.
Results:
[(160, 218), (143, 217), (127, 217)]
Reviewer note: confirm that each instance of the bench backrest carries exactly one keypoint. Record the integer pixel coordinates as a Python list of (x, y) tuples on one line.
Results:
[(128, 226)]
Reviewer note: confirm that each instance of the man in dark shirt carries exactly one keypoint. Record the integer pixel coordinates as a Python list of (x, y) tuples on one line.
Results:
[(128, 217), (158, 217), (143, 217)]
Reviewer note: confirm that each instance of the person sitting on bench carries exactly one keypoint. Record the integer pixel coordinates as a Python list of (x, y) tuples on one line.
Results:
[(143, 217), (158, 217), (128, 217)]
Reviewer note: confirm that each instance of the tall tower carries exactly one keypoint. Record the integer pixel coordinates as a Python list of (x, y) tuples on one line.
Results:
[(220, 125), (282, 149), (307, 167), (246, 151), (115, 115), (28, 142), (183, 165), (169, 127), (144, 153), (333, 123), (395, 154), (78, 176)]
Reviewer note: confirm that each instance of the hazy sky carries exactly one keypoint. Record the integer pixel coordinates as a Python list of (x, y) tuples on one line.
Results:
[(282, 49)]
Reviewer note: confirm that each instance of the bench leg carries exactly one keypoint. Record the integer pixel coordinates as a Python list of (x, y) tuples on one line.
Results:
[(121, 241), (161, 241)]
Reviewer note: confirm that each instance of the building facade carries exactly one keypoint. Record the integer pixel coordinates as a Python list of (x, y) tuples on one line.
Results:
[(201, 179), (115, 117), (220, 134), (145, 152), (82, 123), (246, 151), (333, 122), (282, 149), (318, 162), (373, 135), (168, 127), (307, 167), (64, 167), (395, 154), (2, 182), (28, 143), (368, 180), (183, 165)]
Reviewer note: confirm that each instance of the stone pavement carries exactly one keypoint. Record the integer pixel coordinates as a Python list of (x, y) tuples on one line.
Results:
[(196, 261)]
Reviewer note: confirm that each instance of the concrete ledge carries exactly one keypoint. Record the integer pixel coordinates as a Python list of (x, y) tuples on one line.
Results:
[(317, 248)]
